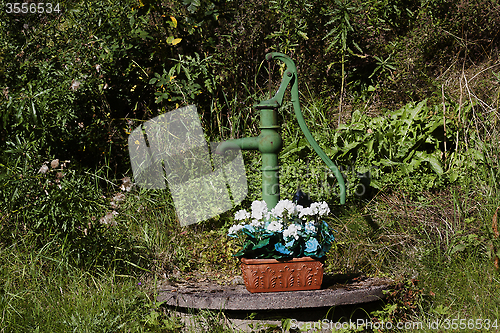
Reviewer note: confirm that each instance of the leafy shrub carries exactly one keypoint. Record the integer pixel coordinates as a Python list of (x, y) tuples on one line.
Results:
[(49, 201), (49, 198), (404, 147), (196, 78), (69, 78)]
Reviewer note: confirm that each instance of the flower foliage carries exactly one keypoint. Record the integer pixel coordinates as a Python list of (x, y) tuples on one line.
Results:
[(286, 231)]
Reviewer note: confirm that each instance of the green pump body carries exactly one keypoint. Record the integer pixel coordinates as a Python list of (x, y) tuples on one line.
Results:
[(269, 141)]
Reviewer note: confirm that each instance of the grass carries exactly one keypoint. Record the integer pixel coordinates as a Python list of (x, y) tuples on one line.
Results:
[(42, 293)]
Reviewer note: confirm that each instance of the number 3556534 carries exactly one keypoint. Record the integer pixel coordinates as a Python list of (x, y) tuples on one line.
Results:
[(32, 8)]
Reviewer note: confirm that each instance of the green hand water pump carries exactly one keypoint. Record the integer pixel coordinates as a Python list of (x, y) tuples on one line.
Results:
[(269, 141)]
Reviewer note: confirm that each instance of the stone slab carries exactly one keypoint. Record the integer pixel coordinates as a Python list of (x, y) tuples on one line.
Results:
[(211, 296)]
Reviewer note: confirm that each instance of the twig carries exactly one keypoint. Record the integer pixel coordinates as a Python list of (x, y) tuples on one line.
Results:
[(472, 106), (460, 109), (484, 70), (494, 226), (444, 124)]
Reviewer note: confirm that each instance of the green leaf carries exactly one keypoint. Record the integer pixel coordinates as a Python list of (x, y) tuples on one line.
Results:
[(413, 165), (261, 244), (457, 248), (387, 162), (411, 114), (294, 147), (303, 35), (453, 175), (476, 154), (435, 163)]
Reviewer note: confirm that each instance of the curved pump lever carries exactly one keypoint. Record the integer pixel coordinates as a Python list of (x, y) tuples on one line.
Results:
[(269, 141), (290, 76)]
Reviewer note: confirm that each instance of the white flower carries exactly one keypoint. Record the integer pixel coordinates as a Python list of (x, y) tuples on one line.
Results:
[(257, 224), (259, 208), (127, 184), (305, 211), (283, 205), (235, 229), (241, 215), (316, 208), (320, 208), (292, 231), (277, 211), (75, 85), (310, 227), (54, 164), (109, 218), (274, 226), (119, 197), (324, 209)]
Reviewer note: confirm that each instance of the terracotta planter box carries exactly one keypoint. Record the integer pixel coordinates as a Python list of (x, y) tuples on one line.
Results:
[(270, 275)]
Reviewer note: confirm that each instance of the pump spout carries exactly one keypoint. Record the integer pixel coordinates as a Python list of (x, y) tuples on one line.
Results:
[(243, 144)]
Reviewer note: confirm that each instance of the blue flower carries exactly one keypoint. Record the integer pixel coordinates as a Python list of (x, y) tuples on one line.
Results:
[(312, 246), (282, 249), (290, 244), (249, 228)]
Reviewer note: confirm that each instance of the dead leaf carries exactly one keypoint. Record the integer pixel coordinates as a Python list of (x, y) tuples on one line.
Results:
[(494, 224)]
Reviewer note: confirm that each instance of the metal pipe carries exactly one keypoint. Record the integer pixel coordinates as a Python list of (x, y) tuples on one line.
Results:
[(269, 143), (243, 144)]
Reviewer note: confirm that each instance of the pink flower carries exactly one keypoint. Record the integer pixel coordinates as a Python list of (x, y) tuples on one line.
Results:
[(74, 85), (43, 169), (54, 164)]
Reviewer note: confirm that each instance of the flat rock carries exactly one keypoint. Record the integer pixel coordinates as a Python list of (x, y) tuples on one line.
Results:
[(334, 292)]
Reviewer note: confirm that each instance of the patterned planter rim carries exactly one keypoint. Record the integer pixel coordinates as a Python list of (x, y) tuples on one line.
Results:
[(272, 275), (276, 261)]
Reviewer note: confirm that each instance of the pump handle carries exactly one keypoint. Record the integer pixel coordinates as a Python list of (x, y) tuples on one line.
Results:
[(290, 76)]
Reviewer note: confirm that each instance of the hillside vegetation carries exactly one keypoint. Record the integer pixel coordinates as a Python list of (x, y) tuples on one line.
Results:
[(402, 94)]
